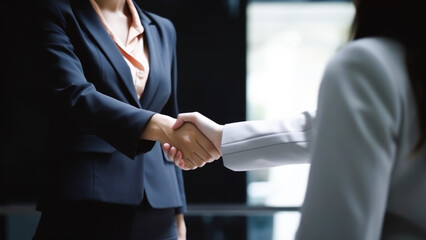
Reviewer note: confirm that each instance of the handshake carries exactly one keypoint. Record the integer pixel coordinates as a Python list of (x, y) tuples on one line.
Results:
[(190, 141), (205, 148)]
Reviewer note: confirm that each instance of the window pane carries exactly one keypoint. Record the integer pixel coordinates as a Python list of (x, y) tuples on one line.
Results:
[(289, 44)]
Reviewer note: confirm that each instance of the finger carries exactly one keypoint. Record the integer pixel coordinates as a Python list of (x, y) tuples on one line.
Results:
[(185, 168), (184, 117), (196, 142), (179, 122), (195, 166), (182, 165), (189, 163), (201, 156), (177, 161), (209, 148), (198, 160), (178, 156), (166, 147), (172, 153)]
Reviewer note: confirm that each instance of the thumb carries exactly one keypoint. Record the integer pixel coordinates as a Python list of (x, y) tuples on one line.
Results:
[(179, 122), (185, 117)]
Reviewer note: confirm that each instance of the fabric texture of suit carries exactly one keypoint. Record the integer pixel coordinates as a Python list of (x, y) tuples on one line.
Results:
[(363, 184), (94, 150)]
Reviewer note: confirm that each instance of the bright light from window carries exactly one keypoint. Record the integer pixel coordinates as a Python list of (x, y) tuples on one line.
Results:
[(289, 45)]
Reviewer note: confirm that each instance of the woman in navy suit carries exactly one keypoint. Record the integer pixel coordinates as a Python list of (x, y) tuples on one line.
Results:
[(108, 71)]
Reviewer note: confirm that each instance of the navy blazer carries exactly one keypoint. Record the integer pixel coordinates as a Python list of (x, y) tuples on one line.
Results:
[(94, 150)]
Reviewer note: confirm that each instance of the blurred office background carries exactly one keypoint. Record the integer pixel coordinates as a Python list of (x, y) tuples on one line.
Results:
[(238, 60)]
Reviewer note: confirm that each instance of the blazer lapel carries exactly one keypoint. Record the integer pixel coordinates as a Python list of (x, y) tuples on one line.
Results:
[(90, 20), (151, 38)]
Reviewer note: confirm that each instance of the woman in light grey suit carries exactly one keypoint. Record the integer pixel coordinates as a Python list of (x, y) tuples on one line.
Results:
[(366, 141)]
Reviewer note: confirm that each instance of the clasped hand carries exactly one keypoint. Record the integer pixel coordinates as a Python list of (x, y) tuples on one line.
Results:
[(210, 130), (194, 147)]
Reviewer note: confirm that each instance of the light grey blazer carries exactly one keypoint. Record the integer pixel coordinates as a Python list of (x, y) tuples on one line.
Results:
[(362, 182)]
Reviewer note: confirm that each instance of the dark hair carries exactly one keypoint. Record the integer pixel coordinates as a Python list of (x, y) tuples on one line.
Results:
[(402, 21)]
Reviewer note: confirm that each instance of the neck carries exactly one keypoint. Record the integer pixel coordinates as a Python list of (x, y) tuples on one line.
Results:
[(111, 5)]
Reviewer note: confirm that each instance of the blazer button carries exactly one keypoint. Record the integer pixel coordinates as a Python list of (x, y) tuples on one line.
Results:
[(141, 74)]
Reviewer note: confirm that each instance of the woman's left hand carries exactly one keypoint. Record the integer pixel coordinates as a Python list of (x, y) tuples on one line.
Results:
[(181, 227)]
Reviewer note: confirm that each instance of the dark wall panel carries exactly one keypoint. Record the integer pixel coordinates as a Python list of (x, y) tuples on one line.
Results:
[(212, 76), (22, 125)]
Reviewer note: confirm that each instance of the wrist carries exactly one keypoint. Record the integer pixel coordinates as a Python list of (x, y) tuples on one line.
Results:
[(157, 128), (218, 140)]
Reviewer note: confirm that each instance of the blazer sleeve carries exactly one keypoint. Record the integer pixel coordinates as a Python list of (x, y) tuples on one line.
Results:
[(117, 122), (354, 148), (254, 145)]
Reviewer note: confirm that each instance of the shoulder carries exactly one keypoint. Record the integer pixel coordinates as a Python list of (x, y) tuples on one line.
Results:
[(164, 25), (55, 9), (373, 62), (368, 74), (370, 54), (56, 4), (159, 20), (50, 11)]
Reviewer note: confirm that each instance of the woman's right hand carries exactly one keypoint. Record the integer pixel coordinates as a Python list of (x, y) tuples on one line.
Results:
[(196, 149)]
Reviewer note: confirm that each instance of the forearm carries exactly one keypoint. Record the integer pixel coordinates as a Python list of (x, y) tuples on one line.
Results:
[(263, 144), (158, 128)]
